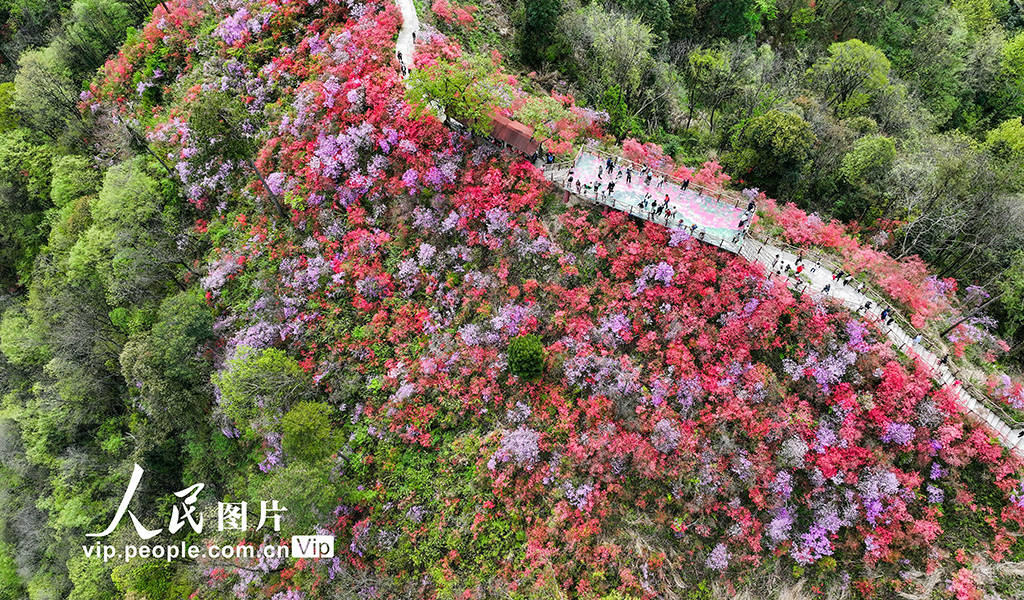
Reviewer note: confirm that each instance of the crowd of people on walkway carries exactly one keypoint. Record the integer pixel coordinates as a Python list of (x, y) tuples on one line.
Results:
[(653, 205)]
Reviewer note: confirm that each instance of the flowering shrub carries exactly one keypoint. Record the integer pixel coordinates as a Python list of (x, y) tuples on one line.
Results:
[(1006, 391), (462, 15)]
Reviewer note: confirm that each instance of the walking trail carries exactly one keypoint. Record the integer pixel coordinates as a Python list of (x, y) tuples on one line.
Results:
[(406, 45), (712, 219)]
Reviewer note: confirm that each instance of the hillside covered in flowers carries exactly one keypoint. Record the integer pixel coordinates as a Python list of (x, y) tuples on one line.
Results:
[(299, 285)]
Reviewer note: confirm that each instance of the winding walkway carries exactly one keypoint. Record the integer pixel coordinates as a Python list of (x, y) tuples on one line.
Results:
[(774, 258)]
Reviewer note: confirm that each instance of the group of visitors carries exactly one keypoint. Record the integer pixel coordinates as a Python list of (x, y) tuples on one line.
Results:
[(615, 172), (840, 278)]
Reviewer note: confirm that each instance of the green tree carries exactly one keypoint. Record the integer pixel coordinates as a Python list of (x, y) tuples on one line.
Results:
[(1006, 145), (851, 76), (306, 431), (734, 19), (622, 122), (863, 170), (8, 117), (1010, 95), (11, 587), (310, 491), (260, 383), (538, 28), (73, 177), (165, 365), (656, 13), (21, 341), (710, 81), (467, 89), (132, 244), (90, 578), (1011, 296), (157, 580), (24, 198), (869, 159), (979, 15), (682, 20), (772, 149), (46, 96), (934, 64), (526, 357), (608, 48), (224, 124), (93, 29)]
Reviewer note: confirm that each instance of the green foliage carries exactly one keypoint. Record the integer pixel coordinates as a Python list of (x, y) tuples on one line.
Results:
[(709, 79), (467, 89), (11, 587), (261, 382), (92, 31), (67, 225), (683, 18), (1006, 141), (608, 49), (151, 580), (307, 433), (8, 118), (869, 159), (526, 356), (851, 76), (45, 585), (537, 30), (979, 15), (656, 13), (73, 177), (90, 578), (622, 122), (20, 341), (222, 119), (773, 148), (309, 490), (164, 364), (24, 195), (739, 18), (1011, 287), (45, 94), (540, 113), (131, 244)]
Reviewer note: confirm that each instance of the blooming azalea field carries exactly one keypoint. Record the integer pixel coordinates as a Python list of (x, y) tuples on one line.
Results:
[(694, 424)]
